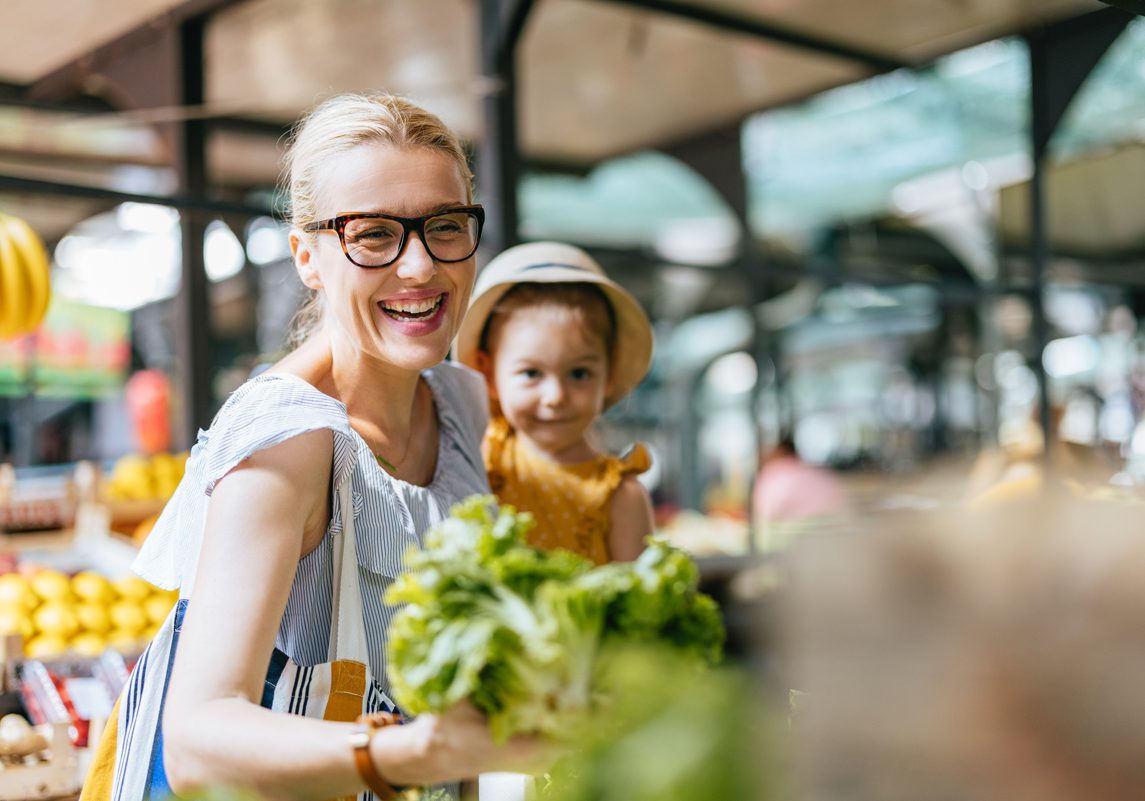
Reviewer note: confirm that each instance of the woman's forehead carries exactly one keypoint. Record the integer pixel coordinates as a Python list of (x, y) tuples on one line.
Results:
[(375, 176)]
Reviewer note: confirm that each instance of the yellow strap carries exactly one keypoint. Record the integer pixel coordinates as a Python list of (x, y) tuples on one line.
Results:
[(97, 785)]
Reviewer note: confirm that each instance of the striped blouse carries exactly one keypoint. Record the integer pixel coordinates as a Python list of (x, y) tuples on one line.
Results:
[(390, 515)]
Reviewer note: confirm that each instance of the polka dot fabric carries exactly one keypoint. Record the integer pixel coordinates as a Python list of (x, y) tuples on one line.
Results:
[(570, 502)]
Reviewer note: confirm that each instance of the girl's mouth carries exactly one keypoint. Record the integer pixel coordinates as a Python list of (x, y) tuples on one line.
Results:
[(411, 310)]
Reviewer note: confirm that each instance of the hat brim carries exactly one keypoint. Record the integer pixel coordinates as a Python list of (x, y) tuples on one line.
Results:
[(632, 350)]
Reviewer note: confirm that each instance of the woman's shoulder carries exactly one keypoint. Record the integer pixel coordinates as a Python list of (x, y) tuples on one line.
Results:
[(267, 410), (463, 392)]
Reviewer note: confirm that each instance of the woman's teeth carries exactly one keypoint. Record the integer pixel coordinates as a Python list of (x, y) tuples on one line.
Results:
[(411, 309)]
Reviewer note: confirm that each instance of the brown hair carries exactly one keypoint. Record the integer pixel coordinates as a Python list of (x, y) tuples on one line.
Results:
[(341, 124), (584, 303)]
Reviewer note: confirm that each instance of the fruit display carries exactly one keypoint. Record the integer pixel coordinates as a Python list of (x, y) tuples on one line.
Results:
[(80, 615), (145, 478), (137, 489), (25, 278)]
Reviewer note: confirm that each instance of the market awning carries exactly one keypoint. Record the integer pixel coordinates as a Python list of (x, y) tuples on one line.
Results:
[(1093, 207), (598, 77)]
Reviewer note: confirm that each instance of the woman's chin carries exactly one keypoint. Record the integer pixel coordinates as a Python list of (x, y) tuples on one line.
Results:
[(414, 357)]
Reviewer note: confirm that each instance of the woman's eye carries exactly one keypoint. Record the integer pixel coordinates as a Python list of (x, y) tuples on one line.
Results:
[(443, 228), (377, 232)]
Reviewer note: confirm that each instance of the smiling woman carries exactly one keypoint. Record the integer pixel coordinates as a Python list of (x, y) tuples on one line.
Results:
[(286, 532)]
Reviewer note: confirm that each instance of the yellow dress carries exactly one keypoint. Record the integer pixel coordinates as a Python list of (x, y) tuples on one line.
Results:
[(570, 502)]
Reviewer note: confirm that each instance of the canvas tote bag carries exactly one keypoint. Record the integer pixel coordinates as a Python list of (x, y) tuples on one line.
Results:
[(128, 765)]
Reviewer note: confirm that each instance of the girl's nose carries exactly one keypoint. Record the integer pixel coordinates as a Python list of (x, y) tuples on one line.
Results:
[(415, 264), (553, 392)]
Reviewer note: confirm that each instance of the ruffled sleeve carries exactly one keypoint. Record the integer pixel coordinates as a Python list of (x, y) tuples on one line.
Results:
[(263, 412), (635, 461)]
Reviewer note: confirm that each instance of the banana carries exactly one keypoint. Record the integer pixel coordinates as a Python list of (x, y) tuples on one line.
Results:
[(13, 288), (36, 267)]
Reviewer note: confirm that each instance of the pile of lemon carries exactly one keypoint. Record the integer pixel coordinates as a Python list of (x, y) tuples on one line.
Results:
[(81, 615), (145, 478)]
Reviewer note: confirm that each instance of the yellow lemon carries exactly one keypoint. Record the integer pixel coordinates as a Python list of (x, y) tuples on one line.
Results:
[(88, 644), (133, 587), (150, 632), (45, 646), (15, 619), (157, 607), (58, 618), (51, 585), (15, 590), (123, 640), (91, 586), (93, 617), (127, 615)]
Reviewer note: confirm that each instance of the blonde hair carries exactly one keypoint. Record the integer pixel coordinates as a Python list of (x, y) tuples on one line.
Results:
[(341, 124), (585, 304)]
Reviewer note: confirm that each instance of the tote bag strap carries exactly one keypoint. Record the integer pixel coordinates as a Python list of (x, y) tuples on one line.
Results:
[(347, 620)]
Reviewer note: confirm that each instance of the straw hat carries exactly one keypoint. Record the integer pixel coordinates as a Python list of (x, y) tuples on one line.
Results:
[(557, 263)]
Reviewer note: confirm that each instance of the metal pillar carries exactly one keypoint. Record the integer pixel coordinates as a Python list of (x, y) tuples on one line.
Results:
[(1061, 58), (193, 309), (718, 157), (498, 156)]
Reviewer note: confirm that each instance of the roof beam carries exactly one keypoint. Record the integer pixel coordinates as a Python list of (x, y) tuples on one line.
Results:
[(1135, 6), (753, 26), (33, 186), (68, 80)]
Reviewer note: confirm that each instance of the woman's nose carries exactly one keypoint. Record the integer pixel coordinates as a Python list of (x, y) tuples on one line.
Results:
[(415, 263)]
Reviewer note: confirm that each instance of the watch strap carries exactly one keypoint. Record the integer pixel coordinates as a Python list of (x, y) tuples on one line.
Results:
[(367, 725)]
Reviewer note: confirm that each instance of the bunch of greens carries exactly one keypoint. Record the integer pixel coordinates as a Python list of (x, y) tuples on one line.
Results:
[(522, 632), (722, 742)]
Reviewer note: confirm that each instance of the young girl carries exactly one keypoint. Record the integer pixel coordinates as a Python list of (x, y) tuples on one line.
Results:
[(558, 343)]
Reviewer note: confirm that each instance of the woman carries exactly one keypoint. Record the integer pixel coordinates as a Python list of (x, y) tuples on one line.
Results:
[(384, 234)]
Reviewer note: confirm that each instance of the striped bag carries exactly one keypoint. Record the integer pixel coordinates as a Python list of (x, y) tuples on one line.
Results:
[(128, 763)]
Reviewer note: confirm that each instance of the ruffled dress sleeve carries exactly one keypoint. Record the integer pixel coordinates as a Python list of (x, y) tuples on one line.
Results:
[(634, 462), (263, 412)]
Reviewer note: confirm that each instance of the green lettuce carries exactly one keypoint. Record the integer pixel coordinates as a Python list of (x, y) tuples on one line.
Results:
[(523, 632)]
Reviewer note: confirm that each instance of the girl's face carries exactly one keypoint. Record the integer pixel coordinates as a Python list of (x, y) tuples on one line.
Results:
[(405, 314), (550, 375)]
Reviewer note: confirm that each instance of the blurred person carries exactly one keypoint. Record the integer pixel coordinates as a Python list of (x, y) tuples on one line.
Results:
[(789, 495), (331, 463), (558, 343), (989, 656)]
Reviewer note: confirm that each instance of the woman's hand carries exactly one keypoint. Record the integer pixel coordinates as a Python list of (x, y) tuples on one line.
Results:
[(453, 746)]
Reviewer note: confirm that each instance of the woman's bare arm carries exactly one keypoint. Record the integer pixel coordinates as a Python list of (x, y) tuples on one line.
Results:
[(262, 517)]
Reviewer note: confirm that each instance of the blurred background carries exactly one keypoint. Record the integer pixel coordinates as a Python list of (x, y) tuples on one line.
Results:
[(892, 250)]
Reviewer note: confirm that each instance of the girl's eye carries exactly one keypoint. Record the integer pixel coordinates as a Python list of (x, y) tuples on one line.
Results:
[(530, 373), (580, 373)]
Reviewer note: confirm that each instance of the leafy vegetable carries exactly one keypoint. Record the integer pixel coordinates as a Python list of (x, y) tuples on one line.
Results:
[(521, 632), (723, 745)]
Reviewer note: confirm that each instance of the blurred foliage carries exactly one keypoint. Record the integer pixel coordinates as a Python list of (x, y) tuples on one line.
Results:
[(674, 732)]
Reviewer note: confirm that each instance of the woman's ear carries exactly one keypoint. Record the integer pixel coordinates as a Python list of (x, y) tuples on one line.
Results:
[(303, 251), (485, 367)]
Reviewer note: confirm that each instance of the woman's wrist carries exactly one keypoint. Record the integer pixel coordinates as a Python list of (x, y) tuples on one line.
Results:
[(398, 754)]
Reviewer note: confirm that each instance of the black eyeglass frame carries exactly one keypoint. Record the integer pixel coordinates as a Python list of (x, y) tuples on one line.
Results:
[(417, 224)]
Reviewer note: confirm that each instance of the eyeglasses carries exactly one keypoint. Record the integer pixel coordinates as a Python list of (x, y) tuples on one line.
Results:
[(377, 240)]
